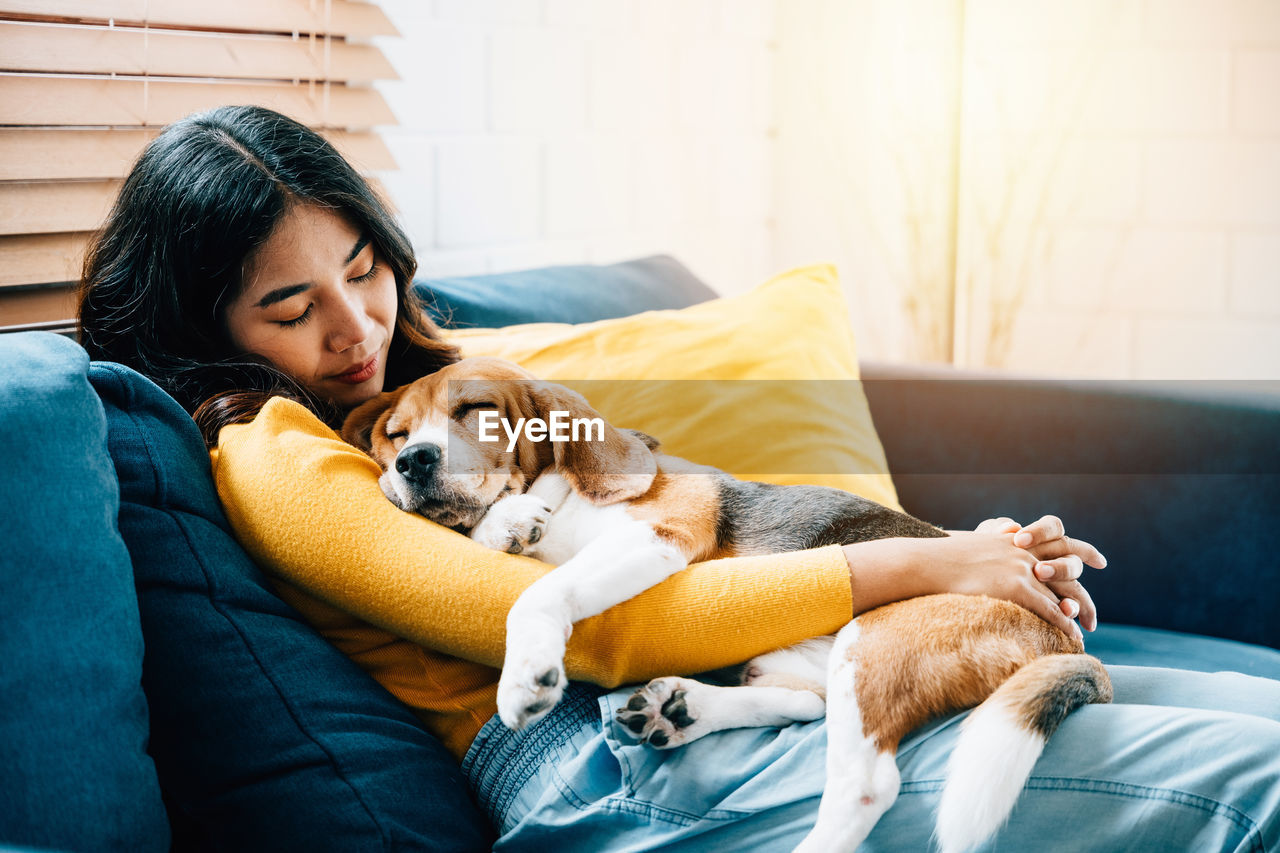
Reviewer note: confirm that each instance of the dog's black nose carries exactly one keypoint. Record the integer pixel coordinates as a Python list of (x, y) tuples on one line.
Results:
[(416, 461)]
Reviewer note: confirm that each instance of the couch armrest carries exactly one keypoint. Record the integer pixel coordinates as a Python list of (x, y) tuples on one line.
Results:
[(1178, 483)]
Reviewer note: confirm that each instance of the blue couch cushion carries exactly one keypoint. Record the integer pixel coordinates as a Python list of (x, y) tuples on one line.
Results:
[(1174, 481), (74, 773), (567, 294), (264, 735), (1130, 645)]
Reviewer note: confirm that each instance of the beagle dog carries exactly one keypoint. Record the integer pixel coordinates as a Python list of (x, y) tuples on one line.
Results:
[(616, 516)]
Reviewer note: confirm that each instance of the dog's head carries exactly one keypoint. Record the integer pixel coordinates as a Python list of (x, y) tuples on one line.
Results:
[(426, 437)]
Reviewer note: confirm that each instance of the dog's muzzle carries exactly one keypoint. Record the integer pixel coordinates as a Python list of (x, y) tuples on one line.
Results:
[(417, 463), (423, 490)]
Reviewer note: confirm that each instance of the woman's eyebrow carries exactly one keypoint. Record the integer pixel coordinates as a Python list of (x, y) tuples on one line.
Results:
[(359, 246), (283, 293)]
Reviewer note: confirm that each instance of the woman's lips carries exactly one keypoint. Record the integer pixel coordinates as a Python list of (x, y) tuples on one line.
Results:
[(363, 373)]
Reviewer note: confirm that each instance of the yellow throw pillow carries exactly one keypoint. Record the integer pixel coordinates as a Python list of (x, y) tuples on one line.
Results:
[(763, 385)]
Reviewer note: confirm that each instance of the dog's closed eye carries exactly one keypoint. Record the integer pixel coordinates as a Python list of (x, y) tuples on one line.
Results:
[(465, 409)]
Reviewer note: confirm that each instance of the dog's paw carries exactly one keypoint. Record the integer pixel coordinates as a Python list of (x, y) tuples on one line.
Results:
[(530, 686), (665, 713), (513, 524)]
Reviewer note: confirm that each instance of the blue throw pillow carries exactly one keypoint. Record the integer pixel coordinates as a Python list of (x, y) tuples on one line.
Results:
[(74, 773), (264, 735), (568, 294)]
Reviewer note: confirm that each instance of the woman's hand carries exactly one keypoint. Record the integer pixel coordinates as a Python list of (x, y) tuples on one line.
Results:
[(978, 563), (1061, 561)]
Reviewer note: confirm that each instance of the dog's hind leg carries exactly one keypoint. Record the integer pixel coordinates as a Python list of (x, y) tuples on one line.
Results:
[(781, 687), (862, 773), (804, 662), (670, 712)]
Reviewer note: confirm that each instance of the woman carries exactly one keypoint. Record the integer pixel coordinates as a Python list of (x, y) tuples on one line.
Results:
[(245, 260)]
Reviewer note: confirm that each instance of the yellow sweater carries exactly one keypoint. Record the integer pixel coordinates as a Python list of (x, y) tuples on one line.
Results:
[(423, 609)]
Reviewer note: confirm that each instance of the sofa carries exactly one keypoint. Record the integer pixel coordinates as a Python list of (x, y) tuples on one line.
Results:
[(159, 695)]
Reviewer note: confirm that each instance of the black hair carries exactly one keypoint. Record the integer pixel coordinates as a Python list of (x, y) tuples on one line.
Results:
[(201, 198)]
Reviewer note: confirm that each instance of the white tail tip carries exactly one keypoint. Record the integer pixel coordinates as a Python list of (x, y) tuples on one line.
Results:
[(988, 768)]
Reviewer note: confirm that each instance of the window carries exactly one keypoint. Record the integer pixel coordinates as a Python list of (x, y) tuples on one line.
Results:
[(85, 84)]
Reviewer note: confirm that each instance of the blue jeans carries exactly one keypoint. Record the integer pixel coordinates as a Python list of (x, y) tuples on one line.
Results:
[(1180, 761)]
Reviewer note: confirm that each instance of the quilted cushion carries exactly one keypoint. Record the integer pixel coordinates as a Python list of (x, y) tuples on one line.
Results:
[(74, 773), (264, 735)]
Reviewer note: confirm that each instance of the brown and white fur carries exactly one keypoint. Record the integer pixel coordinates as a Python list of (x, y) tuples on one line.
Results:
[(618, 516)]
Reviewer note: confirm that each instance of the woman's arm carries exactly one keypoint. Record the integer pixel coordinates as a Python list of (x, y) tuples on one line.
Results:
[(307, 506), (975, 563)]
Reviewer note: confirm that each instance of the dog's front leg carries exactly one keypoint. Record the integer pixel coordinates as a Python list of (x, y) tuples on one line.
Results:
[(514, 524), (625, 560)]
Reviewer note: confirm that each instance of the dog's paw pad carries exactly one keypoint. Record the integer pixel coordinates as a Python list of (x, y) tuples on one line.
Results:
[(660, 713), (676, 709), (634, 722), (526, 692)]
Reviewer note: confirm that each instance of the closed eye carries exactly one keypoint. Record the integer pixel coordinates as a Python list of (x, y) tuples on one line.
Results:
[(401, 434), (463, 410), (373, 270), (296, 321)]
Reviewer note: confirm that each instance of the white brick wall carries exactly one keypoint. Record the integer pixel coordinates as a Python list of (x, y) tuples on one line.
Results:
[(1114, 187), (1150, 208), (534, 132), (488, 191), (864, 168), (1110, 207), (1253, 290)]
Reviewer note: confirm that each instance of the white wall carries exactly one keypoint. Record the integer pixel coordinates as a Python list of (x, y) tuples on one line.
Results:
[(535, 132), (865, 168), (1148, 213), (1071, 187), (1116, 207)]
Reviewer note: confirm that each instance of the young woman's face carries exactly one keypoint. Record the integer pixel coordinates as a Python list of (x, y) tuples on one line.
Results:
[(319, 304)]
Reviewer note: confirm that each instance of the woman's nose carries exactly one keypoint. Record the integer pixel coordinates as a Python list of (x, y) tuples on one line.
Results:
[(351, 325)]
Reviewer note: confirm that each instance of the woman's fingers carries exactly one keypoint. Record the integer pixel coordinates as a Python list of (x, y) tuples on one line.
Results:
[(1087, 553), (1048, 528), (1047, 539), (1061, 562), (1048, 607), (998, 526), (980, 564), (1075, 597), (1066, 568), (1066, 546)]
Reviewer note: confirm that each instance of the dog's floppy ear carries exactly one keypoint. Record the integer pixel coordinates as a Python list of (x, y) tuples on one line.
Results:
[(357, 429), (616, 467)]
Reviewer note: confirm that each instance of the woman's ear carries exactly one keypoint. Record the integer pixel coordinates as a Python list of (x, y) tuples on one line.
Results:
[(604, 465), (357, 429)]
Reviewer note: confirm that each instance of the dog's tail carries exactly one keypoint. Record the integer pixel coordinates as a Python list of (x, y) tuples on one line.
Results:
[(1001, 740)]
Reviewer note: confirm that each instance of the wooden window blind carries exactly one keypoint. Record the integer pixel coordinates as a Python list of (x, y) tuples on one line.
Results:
[(85, 84)]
